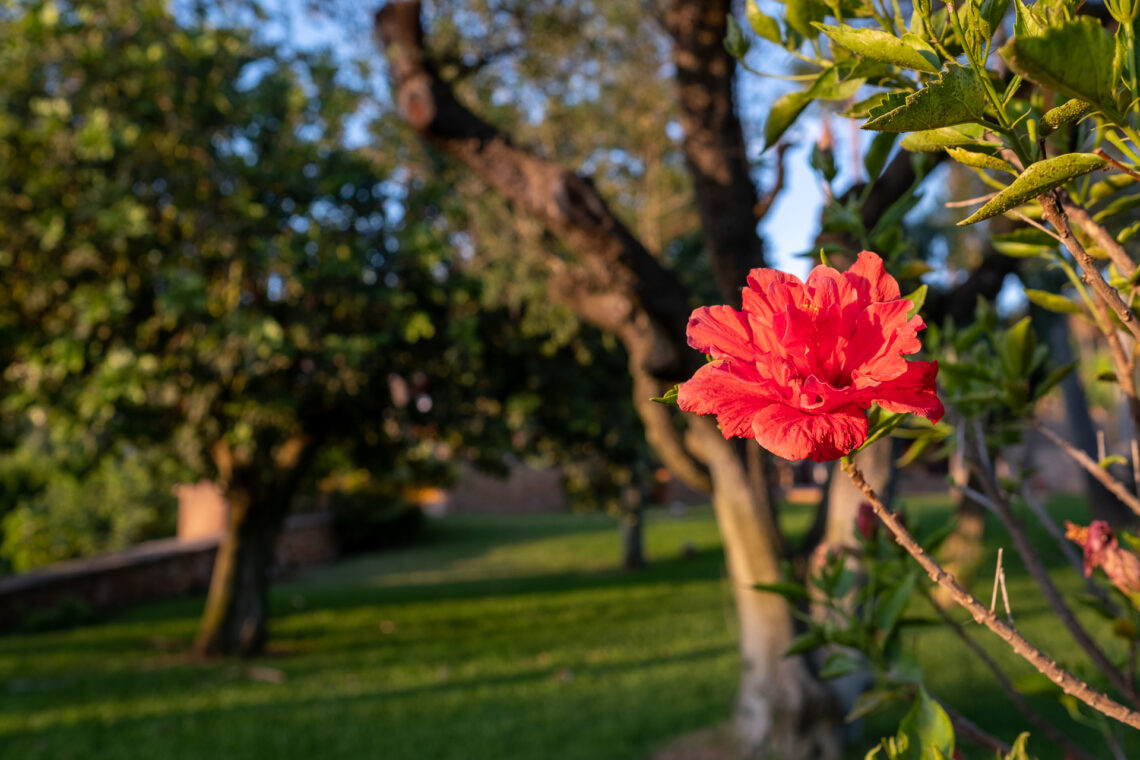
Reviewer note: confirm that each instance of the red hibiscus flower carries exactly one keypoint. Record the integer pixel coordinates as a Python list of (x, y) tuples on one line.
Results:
[(800, 365)]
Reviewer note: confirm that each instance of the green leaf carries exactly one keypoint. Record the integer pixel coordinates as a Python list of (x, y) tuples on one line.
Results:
[(1020, 748), (1054, 378), (930, 726), (735, 42), (840, 664), (980, 160), (793, 592), (806, 642), (1037, 179), (1117, 206), (1024, 242), (764, 25), (1108, 461), (670, 397), (1053, 302), (1068, 112), (1073, 57), (918, 298), (954, 98), (910, 52), (934, 140), (878, 153), (1016, 348), (801, 14), (892, 608), (786, 109)]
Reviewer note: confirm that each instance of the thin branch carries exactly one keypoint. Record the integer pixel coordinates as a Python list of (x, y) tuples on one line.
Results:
[(965, 727), (1103, 476), (1038, 225), (1126, 169), (970, 201), (1011, 692), (1056, 216), (1040, 575), (1041, 662)]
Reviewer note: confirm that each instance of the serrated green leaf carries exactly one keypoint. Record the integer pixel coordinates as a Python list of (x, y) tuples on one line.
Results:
[(1073, 57), (954, 98), (1037, 179), (764, 25), (1068, 112), (735, 42), (910, 52), (1052, 302), (980, 160)]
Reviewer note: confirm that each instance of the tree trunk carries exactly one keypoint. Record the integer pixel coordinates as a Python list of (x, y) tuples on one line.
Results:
[(783, 711), (618, 286), (632, 530), (237, 606)]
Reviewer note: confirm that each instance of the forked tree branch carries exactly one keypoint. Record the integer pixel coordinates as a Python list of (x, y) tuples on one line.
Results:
[(1041, 662)]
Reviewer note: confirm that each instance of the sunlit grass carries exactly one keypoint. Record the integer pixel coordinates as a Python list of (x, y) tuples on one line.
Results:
[(497, 637)]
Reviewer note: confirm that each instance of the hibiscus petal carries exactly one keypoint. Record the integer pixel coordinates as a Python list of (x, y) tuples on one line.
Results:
[(870, 279), (723, 332), (793, 434), (734, 393), (915, 391), (881, 337)]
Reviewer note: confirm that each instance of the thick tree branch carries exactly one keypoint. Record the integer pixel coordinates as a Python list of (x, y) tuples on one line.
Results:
[(618, 286), (714, 141)]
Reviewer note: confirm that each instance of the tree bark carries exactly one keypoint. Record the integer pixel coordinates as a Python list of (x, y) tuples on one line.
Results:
[(235, 620), (237, 605), (618, 286)]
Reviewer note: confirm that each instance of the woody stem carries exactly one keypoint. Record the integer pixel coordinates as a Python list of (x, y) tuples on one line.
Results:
[(1045, 665)]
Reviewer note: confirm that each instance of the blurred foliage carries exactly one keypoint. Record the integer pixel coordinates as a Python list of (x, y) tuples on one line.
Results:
[(191, 255)]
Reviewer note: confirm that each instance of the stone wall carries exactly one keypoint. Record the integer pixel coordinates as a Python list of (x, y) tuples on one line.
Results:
[(161, 569)]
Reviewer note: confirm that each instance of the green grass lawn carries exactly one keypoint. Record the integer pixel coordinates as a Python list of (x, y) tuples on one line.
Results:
[(495, 638)]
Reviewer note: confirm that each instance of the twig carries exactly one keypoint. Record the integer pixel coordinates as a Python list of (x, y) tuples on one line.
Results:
[(969, 201), (1038, 225), (1066, 547), (1127, 170), (999, 581), (1103, 476), (1007, 686), (1040, 574), (970, 730), (1045, 665), (1055, 215)]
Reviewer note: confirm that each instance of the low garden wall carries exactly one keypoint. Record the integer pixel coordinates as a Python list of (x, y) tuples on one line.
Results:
[(159, 569)]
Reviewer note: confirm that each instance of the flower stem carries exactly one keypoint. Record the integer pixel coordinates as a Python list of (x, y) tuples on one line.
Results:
[(1045, 665)]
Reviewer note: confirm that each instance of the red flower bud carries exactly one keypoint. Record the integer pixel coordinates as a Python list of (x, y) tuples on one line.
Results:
[(866, 522)]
